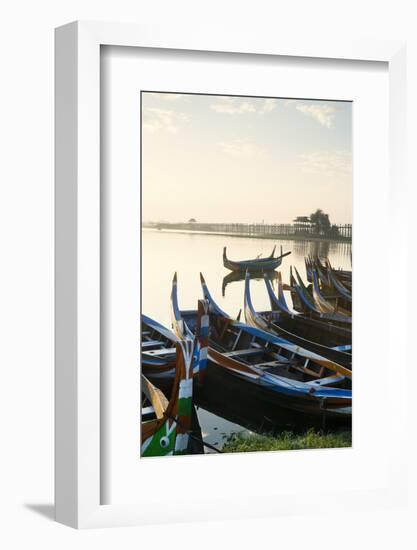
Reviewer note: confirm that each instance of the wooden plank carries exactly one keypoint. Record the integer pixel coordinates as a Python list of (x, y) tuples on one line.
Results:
[(156, 397), (326, 381), (157, 352), (241, 352), (151, 343)]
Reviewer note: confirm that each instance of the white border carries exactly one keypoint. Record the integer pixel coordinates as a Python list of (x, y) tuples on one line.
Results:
[(78, 263), (125, 71)]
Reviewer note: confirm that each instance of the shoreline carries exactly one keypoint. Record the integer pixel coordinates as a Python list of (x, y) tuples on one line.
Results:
[(270, 237)]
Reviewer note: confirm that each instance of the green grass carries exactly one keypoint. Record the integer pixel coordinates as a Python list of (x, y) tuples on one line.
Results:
[(238, 443)]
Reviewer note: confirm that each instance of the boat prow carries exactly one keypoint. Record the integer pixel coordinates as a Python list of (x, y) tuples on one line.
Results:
[(207, 296)]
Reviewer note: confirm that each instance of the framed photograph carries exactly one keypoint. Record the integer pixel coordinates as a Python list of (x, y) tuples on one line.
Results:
[(222, 279)]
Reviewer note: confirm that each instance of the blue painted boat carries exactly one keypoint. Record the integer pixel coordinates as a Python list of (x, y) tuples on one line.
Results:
[(324, 305), (159, 347), (305, 302), (296, 378), (158, 350), (293, 327), (337, 283), (317, 329)]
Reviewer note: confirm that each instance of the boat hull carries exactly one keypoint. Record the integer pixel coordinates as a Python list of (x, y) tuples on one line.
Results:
[(259, 265), (252, 405)]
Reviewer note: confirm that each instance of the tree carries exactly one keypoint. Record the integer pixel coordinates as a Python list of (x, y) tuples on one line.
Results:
[(320, 221), (192, 220), (302, 219)]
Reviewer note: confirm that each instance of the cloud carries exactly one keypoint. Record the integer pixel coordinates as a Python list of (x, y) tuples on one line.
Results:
[(326, 163), (165, 96), (324, 114), (234, 106), (156, 120), (269, 105), (241, 149)]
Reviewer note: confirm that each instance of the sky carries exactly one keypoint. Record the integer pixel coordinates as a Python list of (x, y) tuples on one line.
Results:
[(243, 159)]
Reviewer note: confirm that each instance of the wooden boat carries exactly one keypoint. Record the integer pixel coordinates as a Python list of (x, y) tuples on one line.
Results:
[(338, 284), (331, 289), (315, 329), (314, 265), (257, 265), (323, 304), (159, 348), (295, 378), (167, 434), (304, 302), (342, 274), (292, 328), (322, 269), (155, 406), (238, 400)]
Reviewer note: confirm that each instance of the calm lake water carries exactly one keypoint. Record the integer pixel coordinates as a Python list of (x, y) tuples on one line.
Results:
[(164, 252)]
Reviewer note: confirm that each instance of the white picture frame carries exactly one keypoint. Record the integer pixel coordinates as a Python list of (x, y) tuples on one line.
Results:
[(78, 259)]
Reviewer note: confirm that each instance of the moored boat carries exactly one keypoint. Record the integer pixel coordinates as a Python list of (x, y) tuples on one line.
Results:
[(312, 328), (293, 377), (254, 265), (158, 348), (322, 269), (324, 305), (337, 282), (167, 433), (304, 302), (293, 328)]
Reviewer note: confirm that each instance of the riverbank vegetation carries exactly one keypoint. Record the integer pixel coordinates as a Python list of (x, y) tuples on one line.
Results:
[(242, 443)]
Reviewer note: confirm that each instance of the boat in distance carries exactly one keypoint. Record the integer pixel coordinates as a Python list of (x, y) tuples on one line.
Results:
[(254, 265)]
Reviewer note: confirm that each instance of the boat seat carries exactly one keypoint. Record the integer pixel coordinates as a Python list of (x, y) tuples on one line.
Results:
[(151, 343), (145, 333), (240, 352), (164, 351), (325, 381), (256, 345), (270, 364), (231, 331)]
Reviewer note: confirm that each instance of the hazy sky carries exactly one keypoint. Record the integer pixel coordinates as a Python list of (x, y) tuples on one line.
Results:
[(217, 158)]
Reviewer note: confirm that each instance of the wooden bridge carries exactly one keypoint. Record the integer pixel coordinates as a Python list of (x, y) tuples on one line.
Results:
[(260, 230)]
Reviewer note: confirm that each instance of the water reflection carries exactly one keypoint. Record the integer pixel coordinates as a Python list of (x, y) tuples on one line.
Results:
[(164, 252), (323, 249), (241, 408), (233, 277)]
